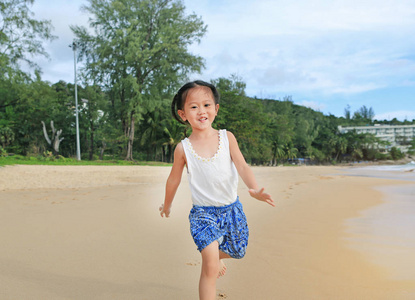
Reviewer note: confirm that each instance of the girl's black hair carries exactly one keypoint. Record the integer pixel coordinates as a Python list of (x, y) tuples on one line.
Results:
[(180, 98)]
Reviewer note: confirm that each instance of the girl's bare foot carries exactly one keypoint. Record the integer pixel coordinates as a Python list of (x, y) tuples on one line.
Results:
[(222, 268)]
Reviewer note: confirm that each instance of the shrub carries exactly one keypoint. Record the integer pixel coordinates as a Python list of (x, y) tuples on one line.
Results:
[(3, 152), (396, 153)]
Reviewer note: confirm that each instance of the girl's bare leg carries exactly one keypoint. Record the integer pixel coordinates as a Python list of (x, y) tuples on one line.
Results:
[(222, 266), (210, 271)]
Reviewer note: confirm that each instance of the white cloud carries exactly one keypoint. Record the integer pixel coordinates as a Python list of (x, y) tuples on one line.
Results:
[(308, 49), (400, 115), (286, 17), (334, 47), (355, 89), (313, 105)]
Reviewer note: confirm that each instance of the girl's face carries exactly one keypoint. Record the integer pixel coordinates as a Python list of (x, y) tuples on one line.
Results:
[(199, 108)]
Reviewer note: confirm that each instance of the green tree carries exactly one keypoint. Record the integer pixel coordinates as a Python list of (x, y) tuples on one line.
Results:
[(173, 133), (327, 140), (138, 53), (234, 84), (39, 102), (153, 130), (6, 136), (93, 101), (396, 153), (244, 117), (290, 152), (305, 133), (21, 39), (280, 127), (364, 114), (361, 145), (278, 152), (22, 36), (347, 113), (341, 147)]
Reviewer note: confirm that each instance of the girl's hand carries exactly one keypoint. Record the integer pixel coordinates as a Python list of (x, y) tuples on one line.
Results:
[(261, 196), (164, 211)]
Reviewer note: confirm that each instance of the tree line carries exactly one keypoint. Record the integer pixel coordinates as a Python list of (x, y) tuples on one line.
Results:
[(135, 56)]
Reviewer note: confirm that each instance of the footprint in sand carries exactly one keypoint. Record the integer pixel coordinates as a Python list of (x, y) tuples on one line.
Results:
[(222, 296), (325, 177), (287, 194), (193, 264)]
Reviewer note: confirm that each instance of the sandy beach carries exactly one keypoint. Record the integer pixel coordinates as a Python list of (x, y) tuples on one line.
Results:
[(94, 232)]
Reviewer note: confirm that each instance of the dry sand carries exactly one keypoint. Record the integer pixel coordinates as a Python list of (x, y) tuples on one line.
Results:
[(94, 232)]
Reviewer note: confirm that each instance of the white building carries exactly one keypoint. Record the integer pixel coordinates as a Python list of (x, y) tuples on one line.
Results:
[(394, 134)]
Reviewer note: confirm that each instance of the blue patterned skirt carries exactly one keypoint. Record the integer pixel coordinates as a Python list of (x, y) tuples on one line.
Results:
[(226, 224)]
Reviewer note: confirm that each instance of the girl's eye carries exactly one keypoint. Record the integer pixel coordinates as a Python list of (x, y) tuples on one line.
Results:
[(207, 105), (193, 107)]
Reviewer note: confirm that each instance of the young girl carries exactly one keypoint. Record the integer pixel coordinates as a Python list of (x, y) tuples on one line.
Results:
[(213, 161)]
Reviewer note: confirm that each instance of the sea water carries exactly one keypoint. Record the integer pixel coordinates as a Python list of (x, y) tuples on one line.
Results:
[(397, 172), (385, 234)]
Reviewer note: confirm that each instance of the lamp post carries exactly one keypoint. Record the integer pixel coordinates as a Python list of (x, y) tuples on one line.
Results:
[(78, 145)]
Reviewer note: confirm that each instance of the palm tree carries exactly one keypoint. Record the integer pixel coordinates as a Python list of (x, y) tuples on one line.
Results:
[(277, 152), (341, 146), (152, 133), (173, 134), (290, 152)]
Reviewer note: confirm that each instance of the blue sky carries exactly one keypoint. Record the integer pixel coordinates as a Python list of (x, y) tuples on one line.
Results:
[(324, 54)]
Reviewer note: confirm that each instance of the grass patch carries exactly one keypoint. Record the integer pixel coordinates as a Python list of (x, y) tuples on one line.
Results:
[(63, 161)]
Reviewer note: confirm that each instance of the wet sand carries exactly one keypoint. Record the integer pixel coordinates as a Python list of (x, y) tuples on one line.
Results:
[(94, 232)]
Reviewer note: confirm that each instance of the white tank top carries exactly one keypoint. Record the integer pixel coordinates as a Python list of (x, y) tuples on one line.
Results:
[(213, 181)]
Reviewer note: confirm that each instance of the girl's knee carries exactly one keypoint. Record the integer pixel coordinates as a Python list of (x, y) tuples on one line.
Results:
[(210, 268)]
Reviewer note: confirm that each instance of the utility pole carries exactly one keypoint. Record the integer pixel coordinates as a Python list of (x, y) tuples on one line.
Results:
[(78, 144)]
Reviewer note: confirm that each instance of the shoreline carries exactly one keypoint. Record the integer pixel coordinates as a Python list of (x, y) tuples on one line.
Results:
[(383, 233), (94, 232)]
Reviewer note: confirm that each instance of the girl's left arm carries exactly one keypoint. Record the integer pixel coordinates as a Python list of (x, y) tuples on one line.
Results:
[(246, 172)]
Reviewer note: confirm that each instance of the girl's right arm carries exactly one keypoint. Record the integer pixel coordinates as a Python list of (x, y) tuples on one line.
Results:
[(174, 179)]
